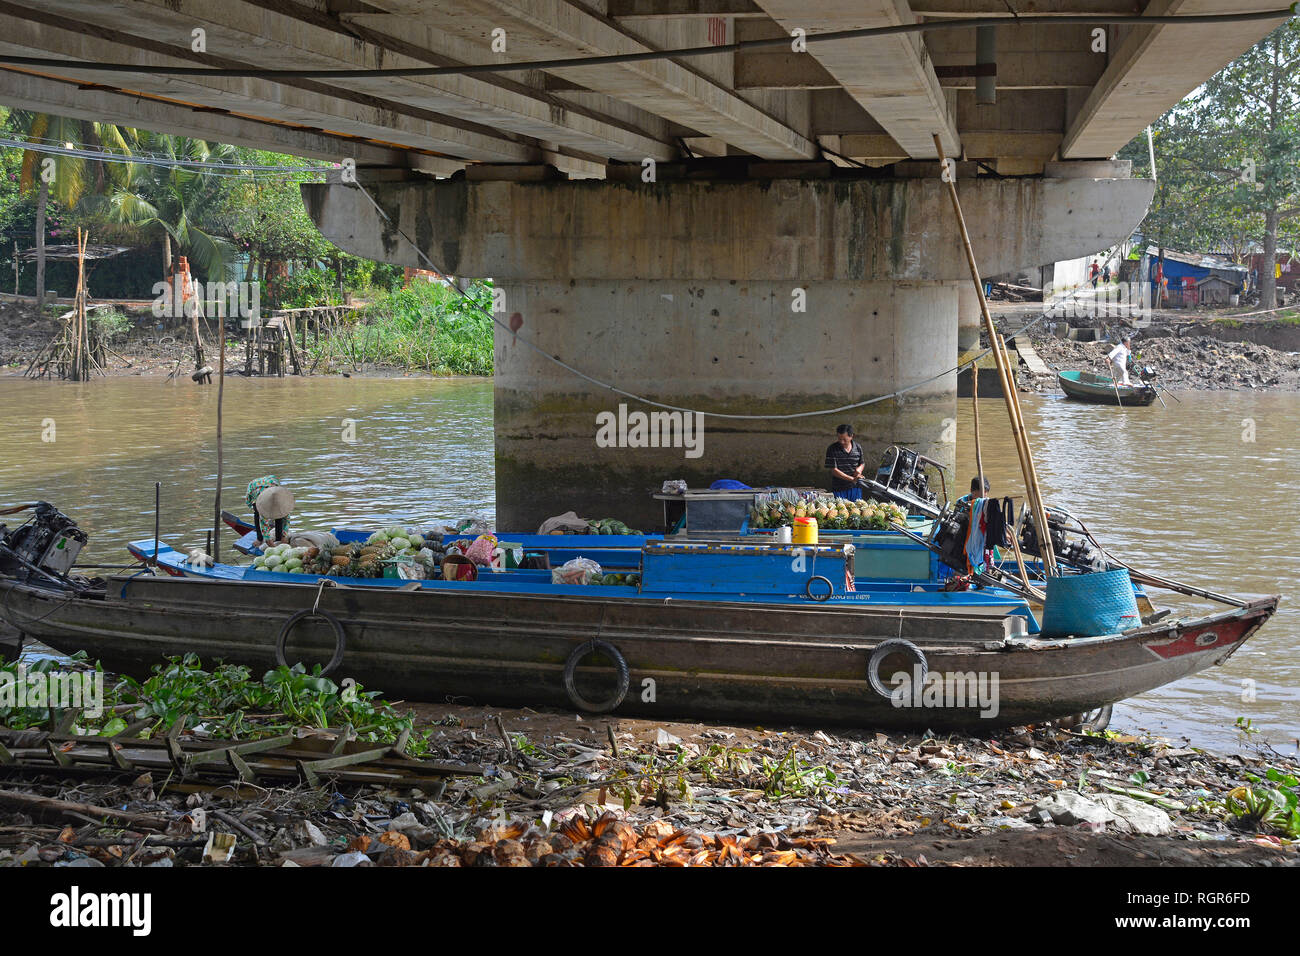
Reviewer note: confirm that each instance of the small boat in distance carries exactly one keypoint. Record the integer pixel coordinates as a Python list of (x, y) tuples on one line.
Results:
[(1102, 390)]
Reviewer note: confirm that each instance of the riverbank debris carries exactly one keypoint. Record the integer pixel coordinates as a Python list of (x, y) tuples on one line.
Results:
[(307, 757), (550, 789)]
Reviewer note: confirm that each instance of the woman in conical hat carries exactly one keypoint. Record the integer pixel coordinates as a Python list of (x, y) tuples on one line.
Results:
[(270, 511)]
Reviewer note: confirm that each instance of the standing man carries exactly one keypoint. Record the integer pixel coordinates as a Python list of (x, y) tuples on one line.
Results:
[(1118, 358), (844, 459), (1093, 272)]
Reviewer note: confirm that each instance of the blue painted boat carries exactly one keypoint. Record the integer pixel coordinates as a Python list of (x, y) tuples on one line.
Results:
[(681, 571), (714, 632), (880, 557)]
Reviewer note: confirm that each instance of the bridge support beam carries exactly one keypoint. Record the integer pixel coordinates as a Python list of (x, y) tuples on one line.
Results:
[(769, 298)]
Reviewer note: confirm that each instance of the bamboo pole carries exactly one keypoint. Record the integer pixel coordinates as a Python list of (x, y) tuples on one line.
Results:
[(1049, 560), (975, 411), (1008, 383), (221, 391), (74, 372)]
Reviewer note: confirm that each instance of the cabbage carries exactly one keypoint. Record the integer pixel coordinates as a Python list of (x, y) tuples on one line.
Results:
[(396, 531), (294, 564), (401, 544), (273, 561), (379, 537)]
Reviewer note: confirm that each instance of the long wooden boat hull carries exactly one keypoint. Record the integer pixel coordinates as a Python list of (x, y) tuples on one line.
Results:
[(1099, 390), (698, 660)]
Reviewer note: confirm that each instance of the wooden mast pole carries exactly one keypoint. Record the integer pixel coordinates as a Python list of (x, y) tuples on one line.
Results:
[(1005, 377), (221, 391)]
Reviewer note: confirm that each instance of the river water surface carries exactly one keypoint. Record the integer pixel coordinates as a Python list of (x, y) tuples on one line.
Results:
[(1203, 491)]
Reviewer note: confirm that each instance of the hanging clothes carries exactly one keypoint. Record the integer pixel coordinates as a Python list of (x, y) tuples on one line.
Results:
[(977, 534), (997, 521)]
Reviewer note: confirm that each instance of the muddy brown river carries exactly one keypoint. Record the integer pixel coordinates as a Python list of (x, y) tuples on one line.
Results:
[(1203, 491)]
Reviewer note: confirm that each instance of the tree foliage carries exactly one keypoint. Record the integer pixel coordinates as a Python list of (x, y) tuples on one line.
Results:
[(1228, 158)]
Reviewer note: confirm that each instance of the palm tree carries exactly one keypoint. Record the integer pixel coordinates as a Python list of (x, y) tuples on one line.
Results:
[(160, 199), (157, 197), (66, 178)]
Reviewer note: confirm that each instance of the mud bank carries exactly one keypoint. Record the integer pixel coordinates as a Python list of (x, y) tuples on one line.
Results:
[(560, 789), (1184, 355)]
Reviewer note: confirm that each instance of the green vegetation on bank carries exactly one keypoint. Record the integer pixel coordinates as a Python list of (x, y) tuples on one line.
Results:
[(161, 196), (227, 699), (425, 326)]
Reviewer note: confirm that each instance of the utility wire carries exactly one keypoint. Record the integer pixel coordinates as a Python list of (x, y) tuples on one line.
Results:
[(150, 159), (55, 63), (608, 386)]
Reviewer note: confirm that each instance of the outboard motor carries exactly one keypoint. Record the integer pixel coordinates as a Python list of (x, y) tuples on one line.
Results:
[(49, 540), (948, 535), (1070, 545), (901, 478)]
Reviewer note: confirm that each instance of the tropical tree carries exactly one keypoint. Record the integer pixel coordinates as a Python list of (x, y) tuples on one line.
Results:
[(1228, 158), (65, 176), (159, 197)]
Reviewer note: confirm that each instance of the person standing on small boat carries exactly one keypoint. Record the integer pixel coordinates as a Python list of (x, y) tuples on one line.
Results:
[(846, 464), (271, 504), (1118, 358)]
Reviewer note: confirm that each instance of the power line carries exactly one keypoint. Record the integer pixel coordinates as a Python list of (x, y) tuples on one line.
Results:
[(1096, 19), (151, 159)]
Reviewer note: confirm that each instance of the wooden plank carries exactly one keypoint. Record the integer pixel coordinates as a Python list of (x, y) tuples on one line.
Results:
[(342, 740), (310, 768), (115, 755), (66, 719), (245, 773), (58, 756), (132, 730), (219, 755)]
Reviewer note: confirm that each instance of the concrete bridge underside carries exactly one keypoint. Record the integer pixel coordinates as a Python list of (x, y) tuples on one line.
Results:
[(778, 172)]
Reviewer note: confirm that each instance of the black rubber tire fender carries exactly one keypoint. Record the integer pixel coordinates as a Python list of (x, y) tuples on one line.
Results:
[(340, 637), (620, 664), (883, 650), (1096, 720), (808, 591)]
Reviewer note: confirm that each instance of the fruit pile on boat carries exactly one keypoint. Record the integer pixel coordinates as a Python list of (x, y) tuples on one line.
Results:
[(610, 526), (354, 560), (832, 514)]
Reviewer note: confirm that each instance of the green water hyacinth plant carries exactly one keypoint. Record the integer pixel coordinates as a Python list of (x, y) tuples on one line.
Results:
[(231, 703)]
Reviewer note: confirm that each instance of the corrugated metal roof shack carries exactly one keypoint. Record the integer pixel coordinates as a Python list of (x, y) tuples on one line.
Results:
[(1184, 270)]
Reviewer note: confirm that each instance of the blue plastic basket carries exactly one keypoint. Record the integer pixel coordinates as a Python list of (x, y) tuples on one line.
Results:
[(1086, 605)]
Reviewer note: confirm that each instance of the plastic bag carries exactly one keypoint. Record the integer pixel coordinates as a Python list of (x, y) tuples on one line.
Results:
[(480, 550), (568, 523), (313, 539), (576, 571)]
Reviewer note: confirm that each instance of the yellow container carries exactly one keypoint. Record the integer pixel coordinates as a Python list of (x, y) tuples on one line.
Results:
[(805, 531)]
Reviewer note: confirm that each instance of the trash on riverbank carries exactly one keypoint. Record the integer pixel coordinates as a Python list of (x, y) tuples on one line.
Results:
[(568, 790)]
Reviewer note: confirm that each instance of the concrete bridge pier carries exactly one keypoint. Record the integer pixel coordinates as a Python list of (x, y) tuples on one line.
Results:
[(729, 346), (791, 290), (969, 320)]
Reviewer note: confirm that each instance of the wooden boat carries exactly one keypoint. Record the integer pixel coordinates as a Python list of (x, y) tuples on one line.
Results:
[(685, 644), (884, 557), (1101, 390)]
